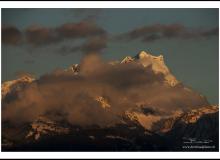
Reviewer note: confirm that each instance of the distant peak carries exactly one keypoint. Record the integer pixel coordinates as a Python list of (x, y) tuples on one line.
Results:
[(143, 54), (127, 59), (26, 78), (8, 86)]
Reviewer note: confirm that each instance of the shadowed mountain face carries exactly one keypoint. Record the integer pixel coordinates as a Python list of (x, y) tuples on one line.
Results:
[(135, 104)]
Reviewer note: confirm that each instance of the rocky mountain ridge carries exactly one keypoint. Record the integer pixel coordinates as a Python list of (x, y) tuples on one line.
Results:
[(142, 125)]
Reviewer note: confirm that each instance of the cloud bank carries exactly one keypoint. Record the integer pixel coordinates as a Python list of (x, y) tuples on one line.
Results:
[(95, 38), (11, 35), (62, 95), (35, 36), (161, 31)]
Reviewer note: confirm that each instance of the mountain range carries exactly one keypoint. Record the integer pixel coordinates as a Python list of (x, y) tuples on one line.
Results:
[(135, 104)]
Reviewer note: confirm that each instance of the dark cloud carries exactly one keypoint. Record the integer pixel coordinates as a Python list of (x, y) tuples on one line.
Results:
[(80, 30), (38, 35), (90, 46), (11, 35), (72, 97), (160, 31), (95, 37), (95, 44), (211, 32)]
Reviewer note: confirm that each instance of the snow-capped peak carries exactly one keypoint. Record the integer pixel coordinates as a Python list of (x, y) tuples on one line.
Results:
[(15, 84), (143, 54)]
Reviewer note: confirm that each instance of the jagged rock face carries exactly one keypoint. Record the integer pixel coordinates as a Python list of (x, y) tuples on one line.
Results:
[(132, 133), (127, 59), (146, 59), (167, 123), (144, 126), (158, 66), (104, 103), (163, 124), (15, 85), (195, 114), (196, 129), (44, 126), (74, 68)]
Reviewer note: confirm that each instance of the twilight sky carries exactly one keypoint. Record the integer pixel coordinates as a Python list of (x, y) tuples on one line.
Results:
[(38, 41)]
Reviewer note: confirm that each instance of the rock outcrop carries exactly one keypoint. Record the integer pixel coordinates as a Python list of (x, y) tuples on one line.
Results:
[(15, 85), (44, 126)]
